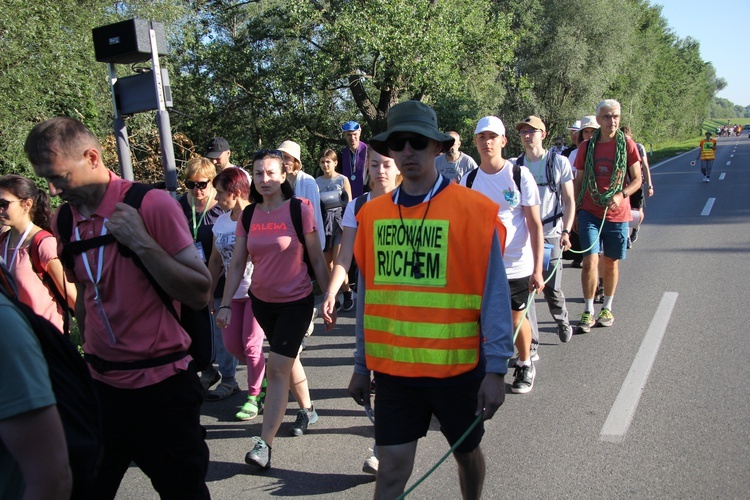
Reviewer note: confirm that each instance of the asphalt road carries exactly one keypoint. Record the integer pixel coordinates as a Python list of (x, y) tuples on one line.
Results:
[(679, 346)]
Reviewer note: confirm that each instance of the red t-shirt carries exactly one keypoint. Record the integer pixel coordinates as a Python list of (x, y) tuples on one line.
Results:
[(279, 271), (604, 164), (140, 324)]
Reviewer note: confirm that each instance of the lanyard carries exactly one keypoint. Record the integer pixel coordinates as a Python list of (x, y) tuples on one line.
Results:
[(12, 262), (203, 214), (428, 196), (97, 295)]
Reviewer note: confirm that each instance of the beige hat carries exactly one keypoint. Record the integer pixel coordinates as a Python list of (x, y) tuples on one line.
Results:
[(589, 122), (291, 148), (533, 122)]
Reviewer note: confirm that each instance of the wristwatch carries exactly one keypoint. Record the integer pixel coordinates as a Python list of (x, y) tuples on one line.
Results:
[(565, 231), (624, 194)]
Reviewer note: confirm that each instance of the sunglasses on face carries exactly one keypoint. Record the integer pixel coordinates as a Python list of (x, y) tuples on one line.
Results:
[(199, 185), (268, 153), (4, 204), (417, 142)]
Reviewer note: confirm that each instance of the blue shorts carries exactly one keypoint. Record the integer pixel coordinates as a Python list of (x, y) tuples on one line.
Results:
[(614, 237)]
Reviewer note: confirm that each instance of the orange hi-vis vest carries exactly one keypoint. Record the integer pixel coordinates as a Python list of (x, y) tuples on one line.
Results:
[(708, 149), (425, 325)]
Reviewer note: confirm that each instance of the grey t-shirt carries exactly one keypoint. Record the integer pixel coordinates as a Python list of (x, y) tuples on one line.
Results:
[(455, 170)]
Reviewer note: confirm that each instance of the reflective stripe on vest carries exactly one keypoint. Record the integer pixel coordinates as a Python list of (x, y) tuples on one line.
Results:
[(425, 326)]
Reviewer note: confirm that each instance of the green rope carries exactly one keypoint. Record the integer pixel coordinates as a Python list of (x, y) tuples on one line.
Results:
[(618, 173)]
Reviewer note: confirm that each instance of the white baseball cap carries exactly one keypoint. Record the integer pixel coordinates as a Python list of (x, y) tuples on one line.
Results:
[(490, 124)]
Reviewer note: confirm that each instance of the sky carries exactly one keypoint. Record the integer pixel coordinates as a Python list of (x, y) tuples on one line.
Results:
[(723, 30)]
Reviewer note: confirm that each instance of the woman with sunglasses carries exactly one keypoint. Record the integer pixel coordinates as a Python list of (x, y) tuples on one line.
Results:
[(335, 192), (201, 211), (383, 176), (24, 214), (243, 337), (281, 293)]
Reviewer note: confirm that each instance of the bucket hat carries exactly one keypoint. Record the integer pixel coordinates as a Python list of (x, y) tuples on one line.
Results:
[(589, 122), (411, 116), (291, 148)]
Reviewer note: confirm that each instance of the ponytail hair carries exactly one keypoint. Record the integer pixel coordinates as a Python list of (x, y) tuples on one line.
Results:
[(25, 189)]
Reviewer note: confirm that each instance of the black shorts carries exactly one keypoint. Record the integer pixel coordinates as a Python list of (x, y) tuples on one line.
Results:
[(284, 323), (637, 200), (519, 293), (403, 412)]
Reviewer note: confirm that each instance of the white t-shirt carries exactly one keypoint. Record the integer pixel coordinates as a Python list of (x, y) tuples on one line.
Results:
[(500, 188), (563, 173), (223, 229), (349, 219)]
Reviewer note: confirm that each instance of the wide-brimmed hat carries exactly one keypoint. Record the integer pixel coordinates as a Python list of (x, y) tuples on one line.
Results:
[(588, 122), (216, 146), (411, 116), (533, 122), (490, 124), (576, 126), (291, 148)]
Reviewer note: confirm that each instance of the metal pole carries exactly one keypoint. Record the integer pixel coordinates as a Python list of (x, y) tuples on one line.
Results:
[(121, 131), (162, 122)]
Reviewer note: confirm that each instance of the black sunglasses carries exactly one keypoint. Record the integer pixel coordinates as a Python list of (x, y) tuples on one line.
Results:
[(4, 204), (417, 142), (199, 185), (266, 153)]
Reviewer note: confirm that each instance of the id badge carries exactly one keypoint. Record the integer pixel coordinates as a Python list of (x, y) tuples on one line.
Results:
[(199, 247)]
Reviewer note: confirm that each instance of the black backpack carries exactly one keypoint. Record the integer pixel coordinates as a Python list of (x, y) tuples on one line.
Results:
[(197, 323), (77, 400), (295, 209)]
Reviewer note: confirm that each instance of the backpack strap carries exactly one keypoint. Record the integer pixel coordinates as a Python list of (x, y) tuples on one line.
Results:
[(470, 177), (295, 209), (361, 200), (517, 179), (247, 216)]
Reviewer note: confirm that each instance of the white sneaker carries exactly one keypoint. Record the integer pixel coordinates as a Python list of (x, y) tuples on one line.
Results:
[(371, 465)]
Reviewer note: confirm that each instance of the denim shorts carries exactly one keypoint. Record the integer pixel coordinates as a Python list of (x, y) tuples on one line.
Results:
[(614, 237)]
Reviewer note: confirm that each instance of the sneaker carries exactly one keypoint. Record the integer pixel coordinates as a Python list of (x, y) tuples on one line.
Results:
[(249, 410), (304, 418), (302, 346), (629, 244), (523, 379), (534, 351), (209, 378), (565, 332), (312, 323), (634, 234), (576, 264), (706, 179), (348, 304), (371, 465), (587, 321), (605, 318), (260, 455), (337, 305)]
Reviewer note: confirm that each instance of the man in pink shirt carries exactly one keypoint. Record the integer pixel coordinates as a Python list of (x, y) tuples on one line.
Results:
[(150, 415)]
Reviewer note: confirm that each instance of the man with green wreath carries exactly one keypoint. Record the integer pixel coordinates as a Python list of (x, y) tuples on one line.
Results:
[(602, 193)]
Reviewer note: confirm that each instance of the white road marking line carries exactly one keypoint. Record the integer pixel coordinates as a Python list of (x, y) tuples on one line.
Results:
[(708, 207), (729, 163), (731, 156), (721, 177), (623, 410)]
